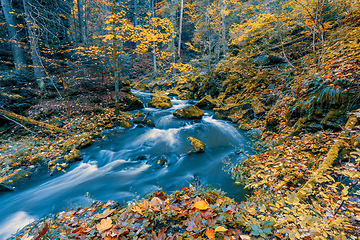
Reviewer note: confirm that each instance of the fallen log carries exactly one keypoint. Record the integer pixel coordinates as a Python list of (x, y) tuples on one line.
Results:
[(34, 122), (328, 161)]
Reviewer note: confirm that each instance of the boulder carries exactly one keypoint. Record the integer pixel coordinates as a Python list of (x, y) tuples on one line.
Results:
[(160, 101), (132, 102), (229, 109), (208, 103), (184, 95), (266, 60), (190, 112), (197, 144)]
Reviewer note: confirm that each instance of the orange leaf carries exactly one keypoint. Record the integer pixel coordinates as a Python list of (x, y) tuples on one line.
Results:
[(201, 205), (278, 235), (220, 229), (210, 233), (104, 225)]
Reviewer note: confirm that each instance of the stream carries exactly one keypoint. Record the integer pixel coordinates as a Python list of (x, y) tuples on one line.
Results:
[(129, 163)]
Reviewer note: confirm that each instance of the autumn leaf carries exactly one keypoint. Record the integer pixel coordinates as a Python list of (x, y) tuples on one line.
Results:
[(42, 231), (220, 229), (210, 233), (250, 209), (201, 205), (136, 209), (104, 225), (106, 213)]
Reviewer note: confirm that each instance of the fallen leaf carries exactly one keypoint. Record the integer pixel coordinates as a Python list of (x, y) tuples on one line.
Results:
[(42, 231), (201, 205), (136, 209), (250, 209), (220, 229), (245, 237), (104, 225), (210, 233)]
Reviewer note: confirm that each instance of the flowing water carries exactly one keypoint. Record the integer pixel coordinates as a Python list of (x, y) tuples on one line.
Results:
[(128, 163)]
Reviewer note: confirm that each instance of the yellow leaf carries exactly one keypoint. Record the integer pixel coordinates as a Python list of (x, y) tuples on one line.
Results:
[(220, 229), (201, 205), (104, 225), (136, 209), (58, 168)]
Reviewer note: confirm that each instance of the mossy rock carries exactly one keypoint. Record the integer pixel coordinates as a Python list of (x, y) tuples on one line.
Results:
[(141, 86), (126, 124), (73, 156), (36, 160), (197, 144), (132, 102), (230, 109), (208, 103), (190, 112), (78, 142), (184, 95), (160, 101), (335, 118)]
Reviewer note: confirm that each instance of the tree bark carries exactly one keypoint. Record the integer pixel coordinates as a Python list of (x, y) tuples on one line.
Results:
[(172, 41), (154, 46), (115, 61), (180, 25), (39, 71), (82, 24), (136, 25), (17, 50), (223, 28)]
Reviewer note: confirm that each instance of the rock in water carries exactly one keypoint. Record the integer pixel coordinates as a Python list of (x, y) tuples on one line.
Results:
[(198, 145), (190, 112), (160, 101)]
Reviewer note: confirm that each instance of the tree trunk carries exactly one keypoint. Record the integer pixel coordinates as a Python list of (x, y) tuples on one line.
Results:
[(82, 24), (39, 71), (33, 122), (136, 25), (115, 61), (154, 46), (17, 50), (223, 28), (172, 41), (180, 25)]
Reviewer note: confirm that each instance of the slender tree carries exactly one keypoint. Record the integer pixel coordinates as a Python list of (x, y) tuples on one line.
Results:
[(39, 71), (180, 25), (17, 50)]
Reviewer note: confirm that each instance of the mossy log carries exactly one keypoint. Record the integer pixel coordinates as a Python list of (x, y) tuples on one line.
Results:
[(34, 122), (328, 161)]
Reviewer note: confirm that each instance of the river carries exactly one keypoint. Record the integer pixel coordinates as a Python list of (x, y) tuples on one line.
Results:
[(128, 163)]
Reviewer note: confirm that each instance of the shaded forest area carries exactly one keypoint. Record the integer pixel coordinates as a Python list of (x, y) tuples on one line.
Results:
[(285, 72)]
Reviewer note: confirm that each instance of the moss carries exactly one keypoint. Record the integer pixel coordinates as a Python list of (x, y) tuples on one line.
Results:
[(328, 161), (125, 124), (160, 101), (208, 103), (197, 144), (190, 112), (184, 95), (73, 156), (78, 142)]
